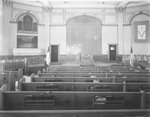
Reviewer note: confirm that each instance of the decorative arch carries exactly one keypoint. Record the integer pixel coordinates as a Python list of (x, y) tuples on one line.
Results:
[(27, 22), (84, 35), (139, 13), (20, 16), (139, 28), (73, 16)]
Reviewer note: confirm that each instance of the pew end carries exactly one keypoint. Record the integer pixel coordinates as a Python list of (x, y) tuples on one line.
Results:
[(2, 89), (19, 87)]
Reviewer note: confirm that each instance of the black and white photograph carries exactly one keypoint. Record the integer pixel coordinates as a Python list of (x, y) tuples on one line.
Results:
[(74, 58)]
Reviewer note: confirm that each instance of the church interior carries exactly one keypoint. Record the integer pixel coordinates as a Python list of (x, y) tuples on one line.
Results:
[(71, 58)]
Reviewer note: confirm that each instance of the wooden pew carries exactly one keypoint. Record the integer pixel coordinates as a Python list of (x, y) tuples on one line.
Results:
[(11, 65), (90, 79), (70, 86), (93, 74), (4, 78), (91, 68), (10, 77), (77, 113), (64, 100), (84, 86), (3, 88), (101, 71), (72, 104), (95, 68), (33, 64)]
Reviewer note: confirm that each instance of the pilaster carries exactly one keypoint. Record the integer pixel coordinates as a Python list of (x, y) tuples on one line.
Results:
[(47, 11), (120, 11), (1, 28), (4, 26)]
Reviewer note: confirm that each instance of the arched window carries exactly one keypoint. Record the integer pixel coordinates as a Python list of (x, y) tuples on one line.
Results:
[(28, 24), (20, 25), (35, 26)]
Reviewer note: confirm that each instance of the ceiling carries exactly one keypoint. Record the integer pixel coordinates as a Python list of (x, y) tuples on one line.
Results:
[(83, 3)]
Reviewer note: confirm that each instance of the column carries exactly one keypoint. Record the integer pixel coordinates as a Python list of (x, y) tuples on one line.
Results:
[(120, 10), (46, 11), (5, 27), (1, 28)]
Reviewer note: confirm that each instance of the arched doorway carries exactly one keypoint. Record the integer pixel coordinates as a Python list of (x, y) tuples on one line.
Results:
[(84, 35)]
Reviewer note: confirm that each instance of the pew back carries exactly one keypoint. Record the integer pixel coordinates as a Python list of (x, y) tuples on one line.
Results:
[(90, 79), (70, 100), (71, 86), (84, 86), (94, 74), (78, 113)]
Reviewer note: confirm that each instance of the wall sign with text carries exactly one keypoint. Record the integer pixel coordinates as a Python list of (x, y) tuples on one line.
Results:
[(141, 31)]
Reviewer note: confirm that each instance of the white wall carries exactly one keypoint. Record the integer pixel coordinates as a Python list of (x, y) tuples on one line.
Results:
[(13, 37), (109, 36), (1, 28), (138, 47), (57, 29), (58, 37), (6, 29), (131, 15), (127, 39), (106, 16), (42, 42)]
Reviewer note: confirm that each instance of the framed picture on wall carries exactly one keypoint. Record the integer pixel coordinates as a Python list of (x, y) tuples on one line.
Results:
[(24, 41), (141, 31)]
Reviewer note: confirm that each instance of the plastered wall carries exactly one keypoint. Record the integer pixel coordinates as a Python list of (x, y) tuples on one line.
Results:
[(55, 26)]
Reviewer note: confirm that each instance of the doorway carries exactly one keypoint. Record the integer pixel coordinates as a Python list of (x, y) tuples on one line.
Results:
[(54, 53), (112, 52)]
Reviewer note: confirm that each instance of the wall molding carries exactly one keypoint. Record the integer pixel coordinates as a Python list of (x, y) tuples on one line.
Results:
[(15, 22), (136, 14), (91, 15), (26, 5), (109, 24), (27, 13), (57, 24), (139, 5)]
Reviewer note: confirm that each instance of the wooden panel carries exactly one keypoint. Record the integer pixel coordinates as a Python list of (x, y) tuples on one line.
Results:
[(71, 86), (93, 75), (10, 78), (83, 79), (12, 65), (68, 100), (78, 113)]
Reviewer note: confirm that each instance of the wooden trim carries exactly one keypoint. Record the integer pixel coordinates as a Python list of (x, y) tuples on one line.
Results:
[(89, 113)]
